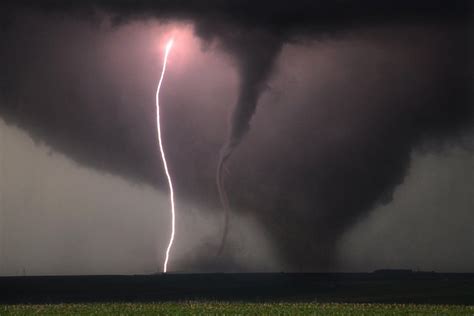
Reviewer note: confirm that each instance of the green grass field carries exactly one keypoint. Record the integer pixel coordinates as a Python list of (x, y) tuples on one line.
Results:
[(219, 308)]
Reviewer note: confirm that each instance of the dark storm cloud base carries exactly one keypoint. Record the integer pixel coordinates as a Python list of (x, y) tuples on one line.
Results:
[(378, 287), (327, 185)]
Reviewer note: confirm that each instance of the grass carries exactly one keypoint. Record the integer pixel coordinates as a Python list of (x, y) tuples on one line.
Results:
[(222, 308)]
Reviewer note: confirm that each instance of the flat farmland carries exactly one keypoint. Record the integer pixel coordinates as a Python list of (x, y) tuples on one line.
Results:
[(234, 308)]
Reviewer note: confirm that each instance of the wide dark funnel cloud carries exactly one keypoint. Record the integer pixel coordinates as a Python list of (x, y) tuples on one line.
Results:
[(348, 148)]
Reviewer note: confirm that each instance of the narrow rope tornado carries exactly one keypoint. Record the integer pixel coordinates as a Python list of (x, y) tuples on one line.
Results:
[(163, 157)]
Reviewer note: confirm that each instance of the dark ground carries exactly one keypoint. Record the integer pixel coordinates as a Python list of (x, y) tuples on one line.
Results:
[(377, 287)]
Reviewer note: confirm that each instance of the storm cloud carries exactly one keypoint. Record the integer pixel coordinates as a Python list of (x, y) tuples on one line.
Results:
[(332, 136)]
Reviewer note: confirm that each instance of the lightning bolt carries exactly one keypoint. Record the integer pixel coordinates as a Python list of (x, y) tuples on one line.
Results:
[(163, 156)]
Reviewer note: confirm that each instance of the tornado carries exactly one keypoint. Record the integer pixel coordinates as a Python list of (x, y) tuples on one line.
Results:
[(255, 55)]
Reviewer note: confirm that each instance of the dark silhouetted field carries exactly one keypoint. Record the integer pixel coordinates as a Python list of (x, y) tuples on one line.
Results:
[(402, 287)]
